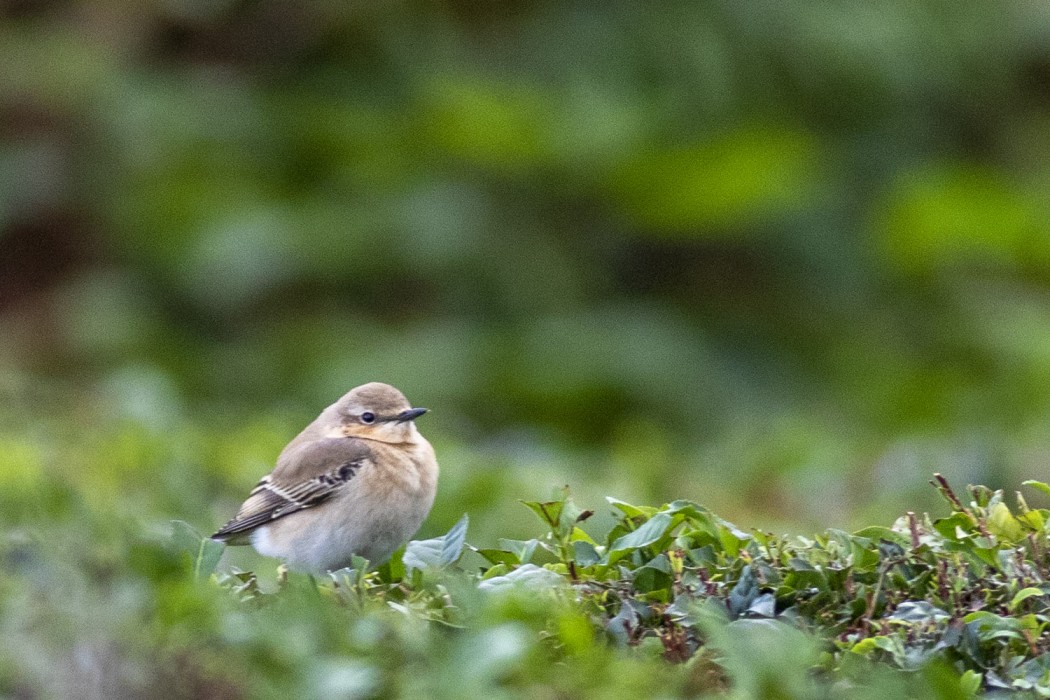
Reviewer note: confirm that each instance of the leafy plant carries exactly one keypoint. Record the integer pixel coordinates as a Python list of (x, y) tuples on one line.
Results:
[(959, 603)]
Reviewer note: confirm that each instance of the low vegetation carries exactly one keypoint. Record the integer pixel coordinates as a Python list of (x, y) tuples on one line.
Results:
[(671, 601)]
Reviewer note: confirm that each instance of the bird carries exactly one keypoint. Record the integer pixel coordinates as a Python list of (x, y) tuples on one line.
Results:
[(359, 480)]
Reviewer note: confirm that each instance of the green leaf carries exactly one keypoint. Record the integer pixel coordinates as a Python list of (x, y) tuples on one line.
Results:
[(1023, 595), (549, 512), (865, 554), (204, 552), (1034, 520), (437, 552), (950, 527), (987, 555), (744, 592), (454, 540), (694, 511), (420, 554), (892, 645), (866, 646), (1002, 523), (497, 570), (765, 605), (654, 576), (731, 539), (522, 549), (991, 620), (1038, 485), (584, 553), (878, 532), (649, 532), (918, 611), (527, 576), (970, 683), (627, 509), (358, 567), (393, 570), (499, 556), (570, 513), (1033, 623), (579, 534)]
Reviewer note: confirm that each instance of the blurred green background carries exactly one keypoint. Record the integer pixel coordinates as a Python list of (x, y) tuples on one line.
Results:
[(782, 259)]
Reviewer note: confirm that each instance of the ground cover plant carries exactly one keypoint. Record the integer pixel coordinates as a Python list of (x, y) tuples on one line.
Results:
[(103, 595), (676, 601)]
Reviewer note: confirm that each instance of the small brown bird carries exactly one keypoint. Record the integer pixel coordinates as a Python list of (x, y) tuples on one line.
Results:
[(358, 480)]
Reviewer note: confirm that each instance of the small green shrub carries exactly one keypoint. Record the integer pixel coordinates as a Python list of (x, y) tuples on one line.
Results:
[(675, 600)]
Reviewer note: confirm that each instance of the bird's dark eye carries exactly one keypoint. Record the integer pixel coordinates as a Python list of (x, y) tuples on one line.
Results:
[(368, 417)]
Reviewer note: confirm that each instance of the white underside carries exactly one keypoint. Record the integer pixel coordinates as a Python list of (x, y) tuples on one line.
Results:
[(327, 537), (262, 544)]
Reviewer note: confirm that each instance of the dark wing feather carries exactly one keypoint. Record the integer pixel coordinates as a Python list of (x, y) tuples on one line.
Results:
[(270, 500)]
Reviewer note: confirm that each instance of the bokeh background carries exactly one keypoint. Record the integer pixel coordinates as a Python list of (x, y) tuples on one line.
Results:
[(784, 259)]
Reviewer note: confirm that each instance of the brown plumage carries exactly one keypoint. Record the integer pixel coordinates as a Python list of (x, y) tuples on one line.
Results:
[(358, 480)]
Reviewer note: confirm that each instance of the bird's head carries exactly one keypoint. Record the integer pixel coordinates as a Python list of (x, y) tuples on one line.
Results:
[(376, 411)]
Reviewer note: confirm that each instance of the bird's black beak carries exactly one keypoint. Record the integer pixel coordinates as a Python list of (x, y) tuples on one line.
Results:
[(410, 414)]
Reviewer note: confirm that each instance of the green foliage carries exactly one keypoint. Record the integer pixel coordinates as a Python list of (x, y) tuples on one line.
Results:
[(439, 551), (593, 601), (204, 553), (692, 250), (671, 601)]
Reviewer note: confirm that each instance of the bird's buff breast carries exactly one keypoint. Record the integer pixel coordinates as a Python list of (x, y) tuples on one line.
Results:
[(327, 537)]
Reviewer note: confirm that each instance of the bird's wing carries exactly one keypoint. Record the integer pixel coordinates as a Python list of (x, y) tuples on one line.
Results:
[(303, 479)]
